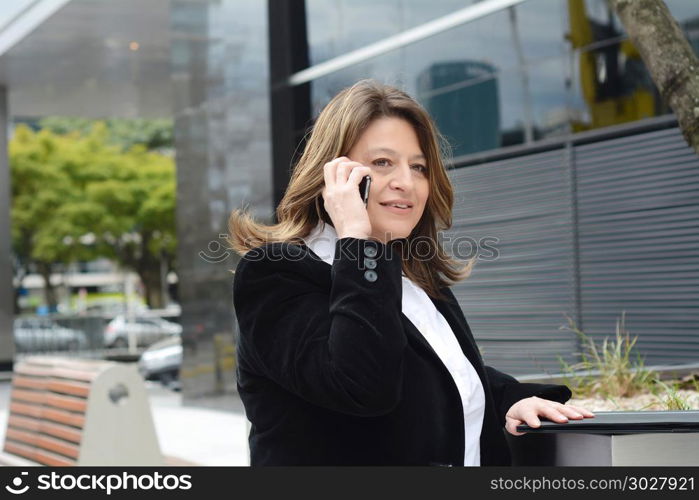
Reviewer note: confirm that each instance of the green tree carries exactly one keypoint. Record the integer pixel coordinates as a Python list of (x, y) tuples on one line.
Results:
[(122, 132), (40, 188), (137, 221), (78, 197)]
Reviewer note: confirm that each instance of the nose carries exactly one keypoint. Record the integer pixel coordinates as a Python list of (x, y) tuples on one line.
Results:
[(402, 178)]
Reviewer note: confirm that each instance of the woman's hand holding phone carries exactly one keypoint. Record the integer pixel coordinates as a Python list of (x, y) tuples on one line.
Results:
[(342, 200)]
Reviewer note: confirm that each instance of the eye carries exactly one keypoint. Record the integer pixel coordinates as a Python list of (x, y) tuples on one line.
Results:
[(418, 167), (376, 162), (421, 168)]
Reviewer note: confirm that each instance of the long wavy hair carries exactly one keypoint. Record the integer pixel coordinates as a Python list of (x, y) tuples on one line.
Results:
[(336, 130)]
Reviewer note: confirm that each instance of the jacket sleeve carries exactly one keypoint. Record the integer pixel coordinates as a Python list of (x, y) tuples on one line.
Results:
[(344, 351), (507, 391)]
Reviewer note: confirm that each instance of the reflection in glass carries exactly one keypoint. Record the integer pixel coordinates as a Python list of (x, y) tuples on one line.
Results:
[(220, 74), (468, 116), (339, 26), (614, 82), (537, 70)]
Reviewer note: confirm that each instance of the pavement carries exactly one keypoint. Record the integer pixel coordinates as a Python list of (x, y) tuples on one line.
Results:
[(189, 434)]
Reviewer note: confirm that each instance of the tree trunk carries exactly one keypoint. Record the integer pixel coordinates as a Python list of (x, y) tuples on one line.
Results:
[(148, 269), (45, 269), (17, 308), (669, 58), (150, 276)]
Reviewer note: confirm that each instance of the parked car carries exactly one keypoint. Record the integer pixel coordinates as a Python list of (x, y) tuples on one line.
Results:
[(44, 334), (146, 330), (162, 361)]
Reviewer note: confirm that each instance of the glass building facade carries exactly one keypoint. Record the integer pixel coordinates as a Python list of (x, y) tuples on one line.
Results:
[(513, 76), (223, 144), (538, 57), (247, 77)]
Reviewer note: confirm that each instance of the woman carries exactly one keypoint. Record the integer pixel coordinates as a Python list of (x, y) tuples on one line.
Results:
[(352, 349)]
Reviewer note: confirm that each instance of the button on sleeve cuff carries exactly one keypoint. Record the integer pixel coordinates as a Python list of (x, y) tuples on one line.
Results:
[(371, 262)]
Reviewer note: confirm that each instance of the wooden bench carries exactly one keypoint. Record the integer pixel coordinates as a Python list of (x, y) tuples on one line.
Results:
[(66, 412)]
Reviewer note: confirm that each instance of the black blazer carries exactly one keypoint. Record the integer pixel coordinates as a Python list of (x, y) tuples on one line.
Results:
[(331, 372)]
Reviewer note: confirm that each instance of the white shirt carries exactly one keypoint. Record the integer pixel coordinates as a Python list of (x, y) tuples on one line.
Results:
[(420, 310)]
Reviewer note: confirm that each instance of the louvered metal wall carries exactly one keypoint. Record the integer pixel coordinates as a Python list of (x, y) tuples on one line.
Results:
[(586, 227), (638, 223)]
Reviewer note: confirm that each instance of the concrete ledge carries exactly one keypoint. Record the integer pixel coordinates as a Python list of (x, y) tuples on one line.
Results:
[(559, 378)]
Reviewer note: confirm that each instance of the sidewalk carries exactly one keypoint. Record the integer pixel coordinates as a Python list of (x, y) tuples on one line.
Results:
[(198, 435)]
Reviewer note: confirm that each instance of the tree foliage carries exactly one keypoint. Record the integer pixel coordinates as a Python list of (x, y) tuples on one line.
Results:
[(122, 132), (79, 196)]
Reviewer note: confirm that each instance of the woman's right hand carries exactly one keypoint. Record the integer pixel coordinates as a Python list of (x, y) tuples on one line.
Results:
[(342, 200)]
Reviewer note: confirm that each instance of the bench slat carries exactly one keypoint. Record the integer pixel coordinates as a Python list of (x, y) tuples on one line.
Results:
[(25, 409), (30, 424), (72, 370), (28, 396), (32, 370), (41, 457), (59, 416), (58, 445), (47, 458), (48, 399), (66, 402), (28, 452), (35, 425), (28, 382), (52, 384), (64, 417), (44, 442), (68, 387)]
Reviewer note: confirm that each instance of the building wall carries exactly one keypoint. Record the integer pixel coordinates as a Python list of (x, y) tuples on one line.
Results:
[(219, 58), (598, 228)]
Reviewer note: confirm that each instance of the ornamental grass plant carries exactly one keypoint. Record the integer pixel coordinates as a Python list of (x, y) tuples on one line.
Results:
[(612, 372), (609, 370)]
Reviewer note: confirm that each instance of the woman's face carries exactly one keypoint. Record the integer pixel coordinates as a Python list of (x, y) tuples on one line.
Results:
[(390, 147)]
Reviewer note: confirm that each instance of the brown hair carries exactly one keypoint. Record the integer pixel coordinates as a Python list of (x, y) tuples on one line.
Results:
[(338, 127)]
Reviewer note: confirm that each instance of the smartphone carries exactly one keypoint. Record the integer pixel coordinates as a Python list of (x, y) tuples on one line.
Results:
[(364, 189)]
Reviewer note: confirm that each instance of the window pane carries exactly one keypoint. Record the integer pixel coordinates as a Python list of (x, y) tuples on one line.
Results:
[(516, 76), (8, 10), (339, 26)]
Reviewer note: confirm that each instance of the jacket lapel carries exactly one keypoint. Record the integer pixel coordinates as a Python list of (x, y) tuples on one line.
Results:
[(415, 336), (452, 313)]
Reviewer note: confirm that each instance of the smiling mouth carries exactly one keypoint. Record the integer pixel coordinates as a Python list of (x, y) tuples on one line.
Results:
[(402, 208)]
